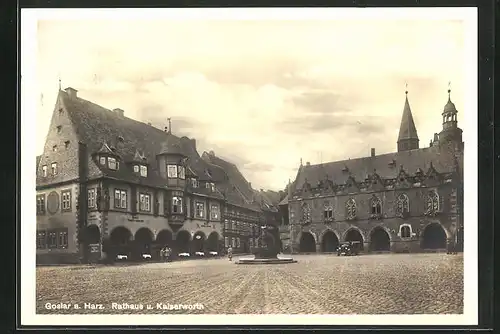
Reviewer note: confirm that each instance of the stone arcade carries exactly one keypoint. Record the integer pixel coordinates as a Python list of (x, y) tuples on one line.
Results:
[(407, 201)]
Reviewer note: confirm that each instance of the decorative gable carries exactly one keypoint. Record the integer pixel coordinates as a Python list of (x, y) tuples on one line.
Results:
[(432, 177), (403, 179), (351, 186), (375, 182)]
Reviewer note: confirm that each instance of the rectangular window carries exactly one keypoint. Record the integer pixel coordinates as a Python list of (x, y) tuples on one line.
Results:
[(182, 172), (52, 240), (91, 198), (226, 224), (102, 160), (250, 241), (199, 210), (226, 242), (62, 239), (176, 204), (212, 187), (194, 183), (238, 245), (120, 199), (59, 128), (54, 168), (144, 202), (40, 204), (66, 144), (44, 171), (136, 168), (41, 241), (207, 185), (172, 171), (66, 200), (144, 171), (112, 164), (233, 242), (214, 212)]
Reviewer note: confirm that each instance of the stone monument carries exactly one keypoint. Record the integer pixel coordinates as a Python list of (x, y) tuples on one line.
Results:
[(267, 251)]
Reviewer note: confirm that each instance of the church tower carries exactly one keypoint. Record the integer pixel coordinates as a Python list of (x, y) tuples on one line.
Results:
[(451, 131), (408, 138)]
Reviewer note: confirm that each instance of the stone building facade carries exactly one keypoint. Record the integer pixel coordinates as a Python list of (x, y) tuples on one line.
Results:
[(108, 184), (407, 201)]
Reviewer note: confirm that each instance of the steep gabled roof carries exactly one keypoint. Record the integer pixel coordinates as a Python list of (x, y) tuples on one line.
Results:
[(236, 178), (387, 166), (101, 128), (38, 157)]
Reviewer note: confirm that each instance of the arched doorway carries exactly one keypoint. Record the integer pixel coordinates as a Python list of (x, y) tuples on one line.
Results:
[(163, 238), (330, 242), (143, 241), (212, 243), (198, 243), (354, 235), (182, 242), (92, 240), (379, 240), (307, 243), (433, 237), (120, 241)]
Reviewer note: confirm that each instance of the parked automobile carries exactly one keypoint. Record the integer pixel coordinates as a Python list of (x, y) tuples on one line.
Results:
[(349, 248), (184, 255), (199, 253), (146, 256), (213, 253)]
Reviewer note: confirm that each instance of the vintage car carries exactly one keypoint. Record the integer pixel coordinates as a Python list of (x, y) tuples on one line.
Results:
[(213, 253), (121, 257), (199, 253), (184, 255), (349, 248), (146, 256)]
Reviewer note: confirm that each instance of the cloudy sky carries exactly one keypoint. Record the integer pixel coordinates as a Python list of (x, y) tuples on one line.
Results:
[(263, 94)]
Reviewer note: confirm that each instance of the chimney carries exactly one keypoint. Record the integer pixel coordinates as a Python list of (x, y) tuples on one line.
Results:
[(250, 185), (212, 153), (149, 123), (193, 143), (308, 163), (119, 111), (436, 137), (72, 93), (373, 152), (166, 129)]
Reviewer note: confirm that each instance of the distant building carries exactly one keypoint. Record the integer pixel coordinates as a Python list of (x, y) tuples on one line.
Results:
[(107, 184), (407, 201)]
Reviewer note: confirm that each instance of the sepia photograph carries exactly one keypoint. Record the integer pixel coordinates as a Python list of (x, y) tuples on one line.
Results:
[(249, 166)]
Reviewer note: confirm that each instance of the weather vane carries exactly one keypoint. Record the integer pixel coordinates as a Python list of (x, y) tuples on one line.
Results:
[(406, 88)]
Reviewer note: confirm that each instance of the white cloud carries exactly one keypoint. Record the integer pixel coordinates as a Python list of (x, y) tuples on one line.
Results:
[(235, 85)]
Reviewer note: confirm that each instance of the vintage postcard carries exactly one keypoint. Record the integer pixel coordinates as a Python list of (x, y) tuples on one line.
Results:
[(249, 166)]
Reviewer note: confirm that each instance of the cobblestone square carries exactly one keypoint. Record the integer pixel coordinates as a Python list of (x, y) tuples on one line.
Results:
[(317, 284)]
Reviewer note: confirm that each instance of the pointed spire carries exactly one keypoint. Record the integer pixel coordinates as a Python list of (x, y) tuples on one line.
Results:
[(59, 82), (408, 137), (449, 91)]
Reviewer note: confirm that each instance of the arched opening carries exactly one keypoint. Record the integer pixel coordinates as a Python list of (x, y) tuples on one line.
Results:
[(143, 241), (120, 241), (92, 234), (379, 240), (182, 242), (212, 243), (330, 242), (307, 243), (163, 239), (355, 235), (92, 239), (434, 237), (198, 243)]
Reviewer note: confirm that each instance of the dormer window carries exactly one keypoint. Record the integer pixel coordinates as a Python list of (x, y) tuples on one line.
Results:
[(181, 172), (194, 183), (54, 148), (112, 163), (44, 171), (59, 129), (136, 168), (172, 171), (210, 185), (54, 168), (66, 144), (144, 171)]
